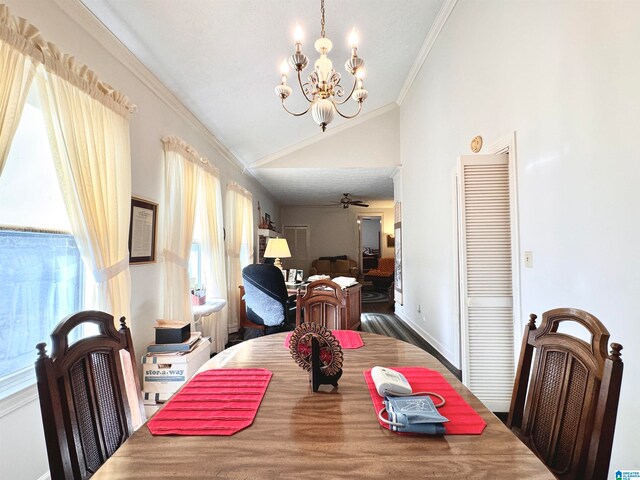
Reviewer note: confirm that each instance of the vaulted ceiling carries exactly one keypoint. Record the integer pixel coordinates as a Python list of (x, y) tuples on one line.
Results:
[(221, 59)]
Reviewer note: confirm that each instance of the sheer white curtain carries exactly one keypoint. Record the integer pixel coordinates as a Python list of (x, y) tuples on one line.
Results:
[(17, 68), (239, 245), (181, 194), (213, 247), (88, 127)]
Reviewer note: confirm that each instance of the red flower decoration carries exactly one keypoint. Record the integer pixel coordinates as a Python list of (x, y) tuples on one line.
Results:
[(326, 355), (304, 349)]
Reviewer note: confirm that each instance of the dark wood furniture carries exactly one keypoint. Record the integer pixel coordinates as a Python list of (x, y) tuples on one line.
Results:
[(566, 414), (87, 412), (325, 303), (333, 434), (369, 261)]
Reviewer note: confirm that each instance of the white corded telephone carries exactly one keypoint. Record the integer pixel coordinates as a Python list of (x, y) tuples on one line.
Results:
[(389, 381)]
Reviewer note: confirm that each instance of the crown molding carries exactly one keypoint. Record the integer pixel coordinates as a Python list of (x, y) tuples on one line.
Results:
[(432, 36), (78, 12), (324, 135)]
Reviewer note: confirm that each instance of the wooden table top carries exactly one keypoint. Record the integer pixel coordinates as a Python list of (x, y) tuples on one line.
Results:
[(329, 434)]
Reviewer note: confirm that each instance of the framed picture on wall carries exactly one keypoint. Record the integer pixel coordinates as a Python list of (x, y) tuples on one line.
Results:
[(143, 227), (397, 280), (391, 241)]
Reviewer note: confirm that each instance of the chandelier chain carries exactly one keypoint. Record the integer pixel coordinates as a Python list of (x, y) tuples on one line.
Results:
[(322, 21)]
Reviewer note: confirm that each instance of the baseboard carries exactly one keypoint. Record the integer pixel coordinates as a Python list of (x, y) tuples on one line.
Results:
[(440, 352)]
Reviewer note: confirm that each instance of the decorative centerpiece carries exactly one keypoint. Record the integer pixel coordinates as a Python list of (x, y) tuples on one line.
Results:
[(317, 351)]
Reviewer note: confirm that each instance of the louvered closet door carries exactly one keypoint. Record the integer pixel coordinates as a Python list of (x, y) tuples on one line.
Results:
[(486, 278)]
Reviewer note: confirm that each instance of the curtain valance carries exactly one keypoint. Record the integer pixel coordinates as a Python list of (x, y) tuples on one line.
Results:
[(179, 146), (26, 38), (238, 189)]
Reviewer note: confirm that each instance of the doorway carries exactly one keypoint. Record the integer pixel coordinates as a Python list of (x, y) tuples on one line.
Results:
[(298, 240), (370, 232)]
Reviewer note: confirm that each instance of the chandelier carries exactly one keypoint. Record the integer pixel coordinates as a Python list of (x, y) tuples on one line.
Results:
[(323, 90)]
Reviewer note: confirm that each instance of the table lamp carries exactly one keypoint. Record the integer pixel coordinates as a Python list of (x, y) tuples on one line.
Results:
[(277, 248)]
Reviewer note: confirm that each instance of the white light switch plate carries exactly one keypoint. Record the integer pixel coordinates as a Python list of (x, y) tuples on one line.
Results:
[(528, 259)]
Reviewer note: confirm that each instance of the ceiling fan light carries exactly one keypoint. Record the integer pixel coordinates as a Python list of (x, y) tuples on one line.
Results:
[(322, 112)]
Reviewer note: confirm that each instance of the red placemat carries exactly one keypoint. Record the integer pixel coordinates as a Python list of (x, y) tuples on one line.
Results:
[(347, 339), (463, 420), (214, 402)]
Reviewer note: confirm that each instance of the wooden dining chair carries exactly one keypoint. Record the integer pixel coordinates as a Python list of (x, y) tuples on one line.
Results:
[(322, 303), (89, 393), (564, 407)]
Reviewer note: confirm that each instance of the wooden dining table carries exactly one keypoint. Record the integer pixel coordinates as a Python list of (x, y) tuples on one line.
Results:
[(333, 433)]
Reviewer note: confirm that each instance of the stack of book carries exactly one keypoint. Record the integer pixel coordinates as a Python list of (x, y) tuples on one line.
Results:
[(182, 348)]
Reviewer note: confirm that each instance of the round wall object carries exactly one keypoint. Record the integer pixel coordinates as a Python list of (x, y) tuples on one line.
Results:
[(476, 144)]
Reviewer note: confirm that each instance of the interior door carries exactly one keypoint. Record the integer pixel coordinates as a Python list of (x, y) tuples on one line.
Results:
[(486, 208), (298, 239)]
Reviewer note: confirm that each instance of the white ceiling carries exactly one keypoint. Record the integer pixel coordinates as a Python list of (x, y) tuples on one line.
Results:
[(221, 59)]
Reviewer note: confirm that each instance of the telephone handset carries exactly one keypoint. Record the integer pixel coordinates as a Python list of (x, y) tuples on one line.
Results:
[(390, 382)]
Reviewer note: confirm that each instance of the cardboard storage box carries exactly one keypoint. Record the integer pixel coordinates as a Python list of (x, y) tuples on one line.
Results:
[(167, 332), (154, 402), (167, 373)]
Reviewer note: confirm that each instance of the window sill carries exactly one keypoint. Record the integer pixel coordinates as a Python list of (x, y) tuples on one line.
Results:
[(16, 398), (213, 305)]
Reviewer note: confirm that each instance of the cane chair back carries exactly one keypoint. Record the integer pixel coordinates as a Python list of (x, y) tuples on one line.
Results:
[(564, 405), (89, 394)]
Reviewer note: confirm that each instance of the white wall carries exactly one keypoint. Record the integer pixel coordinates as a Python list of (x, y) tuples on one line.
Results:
[(372, 141), (22, 450), (333, 230), (565, 76)]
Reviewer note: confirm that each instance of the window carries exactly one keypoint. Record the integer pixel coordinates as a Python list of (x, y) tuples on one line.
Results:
[(42, 276), (195, 267), (197, 259)]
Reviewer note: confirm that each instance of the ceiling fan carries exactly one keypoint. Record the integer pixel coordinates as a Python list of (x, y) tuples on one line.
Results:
[(345, 201)]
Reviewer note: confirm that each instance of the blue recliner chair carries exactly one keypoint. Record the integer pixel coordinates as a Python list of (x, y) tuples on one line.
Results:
[(267, 300)]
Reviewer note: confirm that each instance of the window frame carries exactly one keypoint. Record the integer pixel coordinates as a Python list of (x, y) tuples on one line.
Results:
[(16, 384), (25, 377)]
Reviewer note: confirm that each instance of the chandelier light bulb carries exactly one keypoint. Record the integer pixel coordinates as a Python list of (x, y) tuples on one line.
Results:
[(353, 38), (297, 34), (284, 68)]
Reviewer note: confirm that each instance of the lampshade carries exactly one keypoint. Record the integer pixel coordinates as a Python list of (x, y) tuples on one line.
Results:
[(277, 248)]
